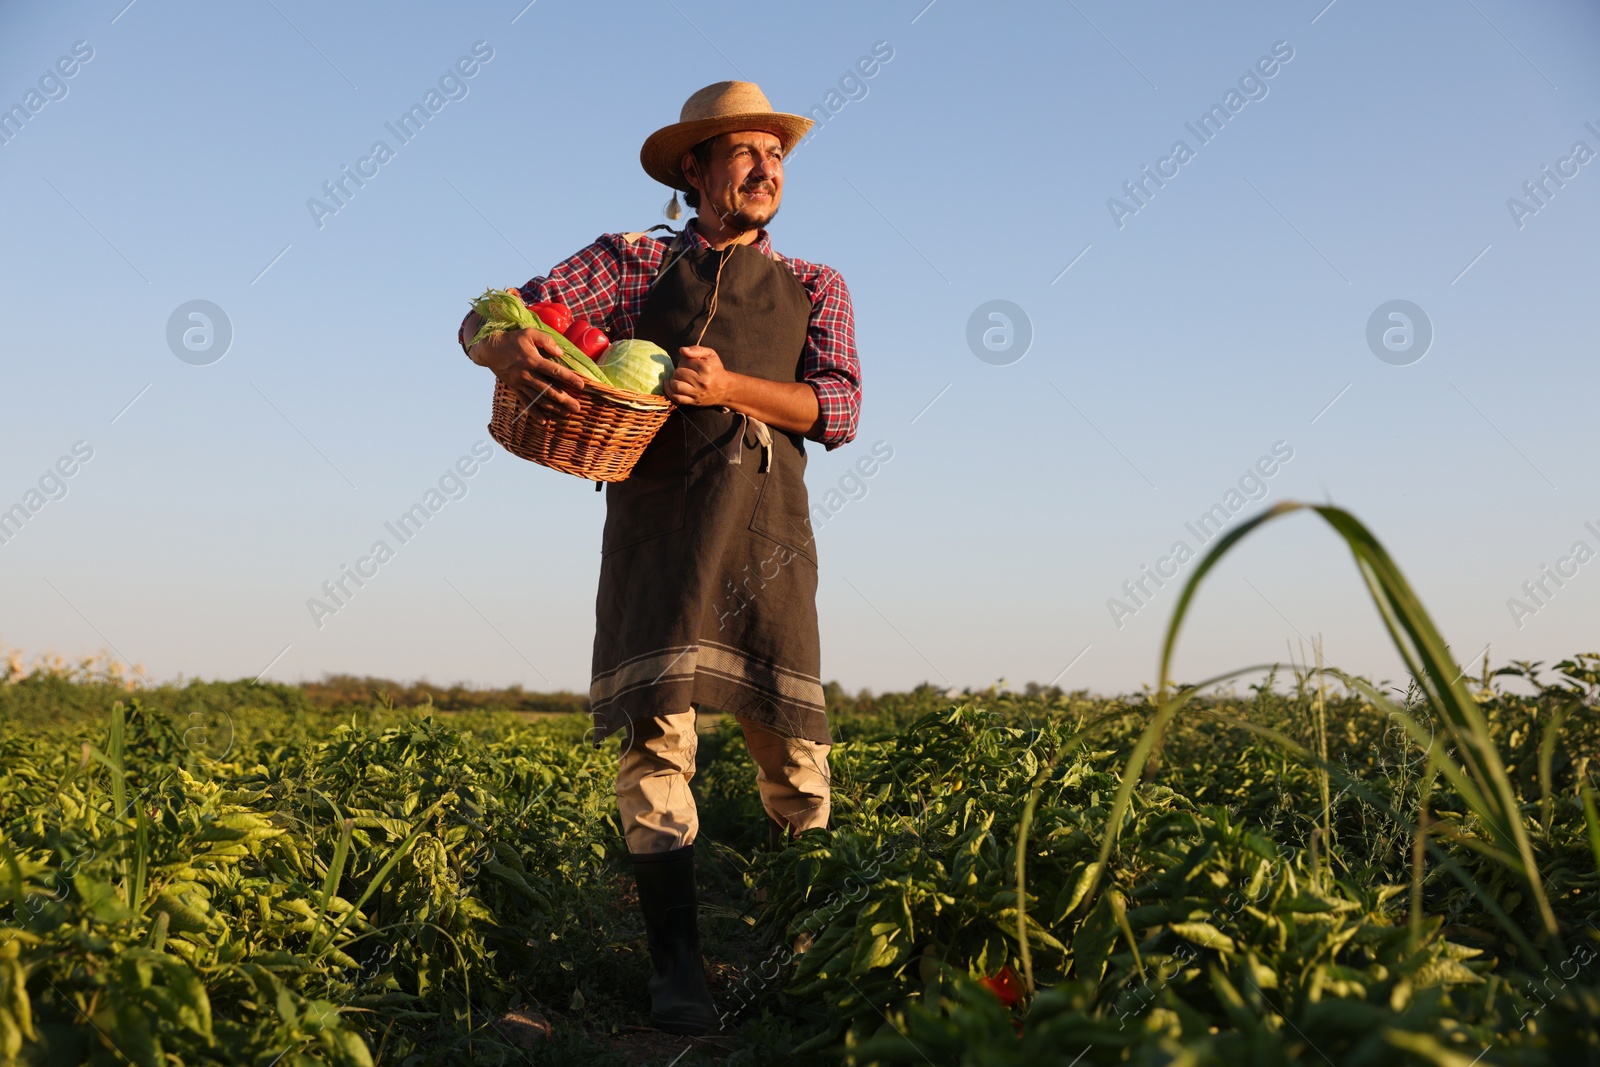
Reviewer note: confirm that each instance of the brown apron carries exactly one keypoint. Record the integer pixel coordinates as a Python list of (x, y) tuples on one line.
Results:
[(708, 570)]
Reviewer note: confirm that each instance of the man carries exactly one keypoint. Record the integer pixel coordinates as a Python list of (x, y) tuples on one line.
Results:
[(708, 568)]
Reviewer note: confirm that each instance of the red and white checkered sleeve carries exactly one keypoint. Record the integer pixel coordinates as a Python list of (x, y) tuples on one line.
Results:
[(830, 364), (589, 283)]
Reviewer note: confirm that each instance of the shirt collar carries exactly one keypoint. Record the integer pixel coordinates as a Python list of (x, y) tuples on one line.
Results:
[(762, 243)]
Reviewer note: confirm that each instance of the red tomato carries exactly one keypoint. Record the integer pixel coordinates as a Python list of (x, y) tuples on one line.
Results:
[(556, 316), (590, 340), (1005, 986)]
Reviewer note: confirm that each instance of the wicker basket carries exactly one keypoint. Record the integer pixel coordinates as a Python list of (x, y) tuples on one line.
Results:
[(601, 442)]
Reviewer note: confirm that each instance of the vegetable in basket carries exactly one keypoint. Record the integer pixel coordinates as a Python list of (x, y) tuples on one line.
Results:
[(632, 364), (555, 316), (591, 340), (642, 366), (503, 309)]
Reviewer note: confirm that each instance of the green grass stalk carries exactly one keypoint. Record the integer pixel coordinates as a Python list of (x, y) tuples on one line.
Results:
[(1480, 778)]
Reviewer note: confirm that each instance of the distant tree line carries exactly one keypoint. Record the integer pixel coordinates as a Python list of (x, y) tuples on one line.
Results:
[(349, 690)]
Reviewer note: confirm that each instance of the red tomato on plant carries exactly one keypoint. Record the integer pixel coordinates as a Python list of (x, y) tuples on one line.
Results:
[(556, 316), (590, 340), (1005, 986)]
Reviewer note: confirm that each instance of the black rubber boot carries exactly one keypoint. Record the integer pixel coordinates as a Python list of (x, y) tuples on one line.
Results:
[(680, 1003), (778, 835)]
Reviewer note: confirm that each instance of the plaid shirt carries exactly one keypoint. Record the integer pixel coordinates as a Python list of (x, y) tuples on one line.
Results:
[(607, 283)]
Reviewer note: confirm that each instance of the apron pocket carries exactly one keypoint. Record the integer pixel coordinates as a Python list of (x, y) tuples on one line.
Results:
[(649, 510), (780, 512)]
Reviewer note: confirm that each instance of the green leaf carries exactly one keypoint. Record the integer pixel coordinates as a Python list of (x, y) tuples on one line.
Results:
[(1445, 971), (1425, 1047), (1071, 897), (1204, 934), (183, 916), (11, 1036), (14, 890), (1591, 819), (16, 1012), (280, 960), (100, 899), (867, 953), (330, 884), (1095, 937)]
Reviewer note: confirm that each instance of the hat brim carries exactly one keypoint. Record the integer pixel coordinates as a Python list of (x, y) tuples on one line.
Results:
[(662, 154)]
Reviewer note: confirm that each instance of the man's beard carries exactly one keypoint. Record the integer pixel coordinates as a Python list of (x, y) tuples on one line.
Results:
[(751, 220), (744, 218)]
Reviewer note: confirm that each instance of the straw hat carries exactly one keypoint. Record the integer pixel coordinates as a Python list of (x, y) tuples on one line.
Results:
[(725, 107)]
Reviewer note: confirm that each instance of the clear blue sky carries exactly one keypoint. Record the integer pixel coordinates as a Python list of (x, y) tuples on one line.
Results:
[(1220, 318)]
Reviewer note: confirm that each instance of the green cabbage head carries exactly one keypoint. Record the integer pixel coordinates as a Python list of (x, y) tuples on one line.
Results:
[(641, 366)]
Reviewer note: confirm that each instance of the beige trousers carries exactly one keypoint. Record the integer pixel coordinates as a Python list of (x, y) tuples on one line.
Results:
[(657, 764)]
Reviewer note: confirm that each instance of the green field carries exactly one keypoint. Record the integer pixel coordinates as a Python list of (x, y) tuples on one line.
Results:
[(213, 921), (1304, 870)]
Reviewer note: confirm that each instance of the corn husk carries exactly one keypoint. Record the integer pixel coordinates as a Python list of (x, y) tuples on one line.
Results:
[(503, 310)]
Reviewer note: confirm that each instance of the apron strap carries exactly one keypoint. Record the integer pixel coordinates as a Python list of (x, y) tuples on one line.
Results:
[(636, 234), (674, 250), (735, 453), (672, 247)]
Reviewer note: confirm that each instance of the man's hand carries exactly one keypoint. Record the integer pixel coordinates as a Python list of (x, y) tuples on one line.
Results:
[(701, 380), (525, 361)]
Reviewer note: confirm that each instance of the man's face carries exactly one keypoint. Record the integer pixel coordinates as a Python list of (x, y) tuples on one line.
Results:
[(742, 183)]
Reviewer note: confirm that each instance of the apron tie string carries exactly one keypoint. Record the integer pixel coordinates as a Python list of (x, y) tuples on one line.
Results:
[(764, 437), (763, 434)]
